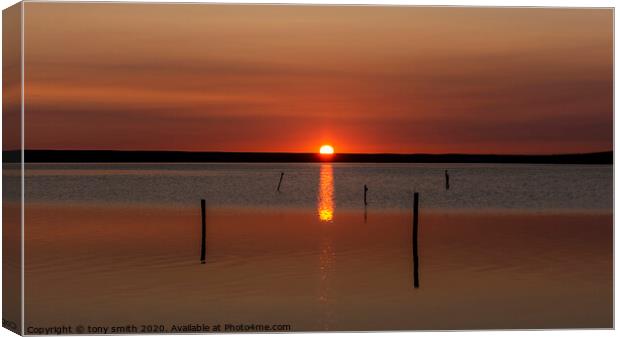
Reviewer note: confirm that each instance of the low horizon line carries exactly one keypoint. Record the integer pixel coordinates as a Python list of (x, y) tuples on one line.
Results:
[(169, 156)]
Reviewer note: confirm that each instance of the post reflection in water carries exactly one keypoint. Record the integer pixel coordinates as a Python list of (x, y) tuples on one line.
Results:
[(326, 194)]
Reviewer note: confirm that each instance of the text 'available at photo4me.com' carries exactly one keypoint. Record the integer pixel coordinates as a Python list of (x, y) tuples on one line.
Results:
[(156, 328)]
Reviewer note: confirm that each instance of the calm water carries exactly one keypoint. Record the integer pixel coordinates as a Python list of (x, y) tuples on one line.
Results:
[(559, 187), (520, 246)]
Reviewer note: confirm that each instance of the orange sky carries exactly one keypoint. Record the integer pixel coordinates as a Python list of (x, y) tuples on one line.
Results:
[(289, 78)]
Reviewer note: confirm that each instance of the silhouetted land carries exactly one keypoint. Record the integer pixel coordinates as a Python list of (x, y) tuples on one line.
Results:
[(104, 156)]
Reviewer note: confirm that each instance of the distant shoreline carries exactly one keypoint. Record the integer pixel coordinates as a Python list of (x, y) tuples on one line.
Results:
[(110, 156)]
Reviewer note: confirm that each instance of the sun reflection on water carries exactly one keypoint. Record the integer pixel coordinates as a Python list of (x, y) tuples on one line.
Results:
[(327, 253), (325, 207)]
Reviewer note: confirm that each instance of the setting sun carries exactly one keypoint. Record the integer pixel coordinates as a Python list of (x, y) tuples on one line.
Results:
[(326, 149)]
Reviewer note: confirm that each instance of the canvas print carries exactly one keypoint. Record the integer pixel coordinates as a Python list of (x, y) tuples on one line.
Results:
[(186, 168)]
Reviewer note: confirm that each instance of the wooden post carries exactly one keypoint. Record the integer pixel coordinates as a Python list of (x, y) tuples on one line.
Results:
[(447, 180), (280, 182), (365, 190), (414, 239), (203, 249)]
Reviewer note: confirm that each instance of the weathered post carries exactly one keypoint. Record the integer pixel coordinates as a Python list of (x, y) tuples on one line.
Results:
[(447, 180), (414, 239), (203, 248), (365, 190), (280, 182)]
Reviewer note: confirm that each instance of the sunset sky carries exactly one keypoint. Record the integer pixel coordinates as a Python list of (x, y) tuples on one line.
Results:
[(290, 78)]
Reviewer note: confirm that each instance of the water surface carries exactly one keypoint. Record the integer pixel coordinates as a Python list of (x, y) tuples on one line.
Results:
[(479, 186), (519, 246)]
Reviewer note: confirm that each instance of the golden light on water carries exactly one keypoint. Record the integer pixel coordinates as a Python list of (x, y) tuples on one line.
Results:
[(326, 215), (326, 194), (327, 257)]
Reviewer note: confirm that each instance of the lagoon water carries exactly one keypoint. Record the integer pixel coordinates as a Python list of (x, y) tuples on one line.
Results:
[(481, 186), (508, 246)]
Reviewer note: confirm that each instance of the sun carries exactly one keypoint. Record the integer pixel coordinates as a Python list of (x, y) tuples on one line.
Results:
[(326, 149)]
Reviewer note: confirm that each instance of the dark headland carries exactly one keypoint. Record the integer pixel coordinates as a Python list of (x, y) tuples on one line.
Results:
[(105, 156)]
